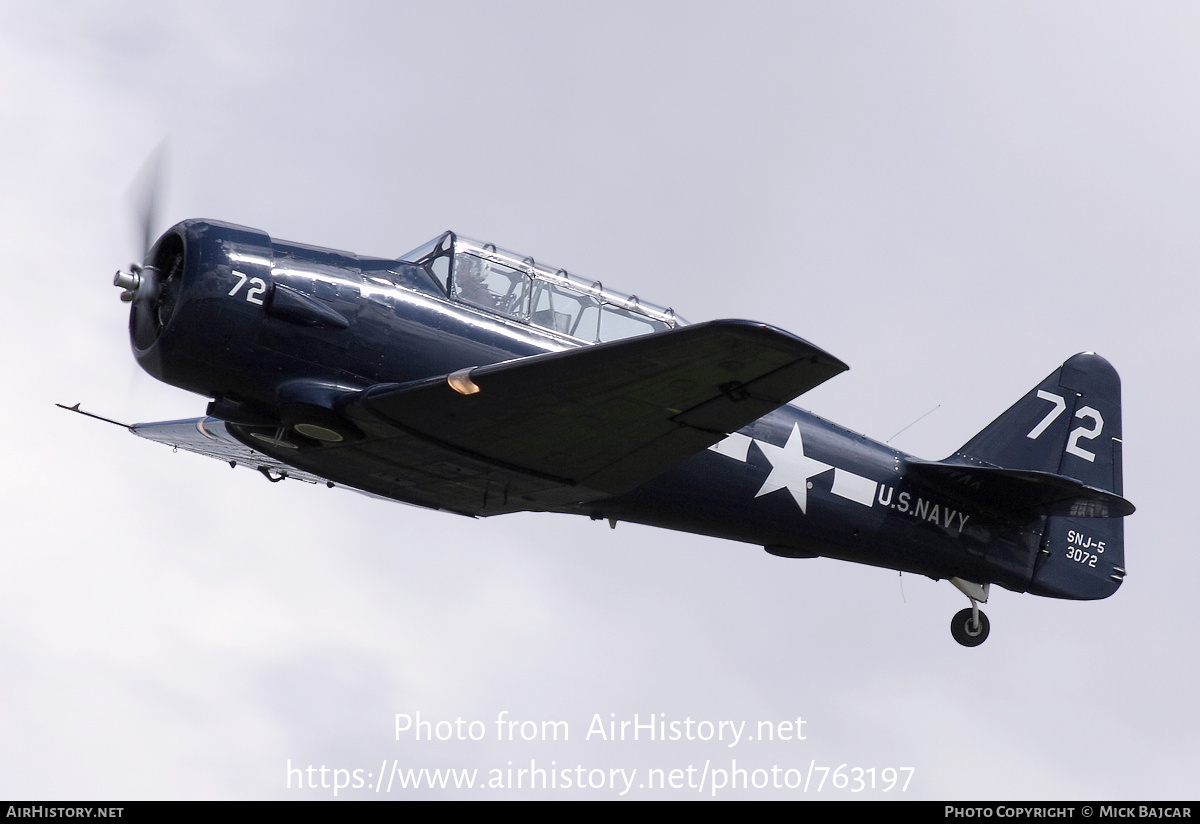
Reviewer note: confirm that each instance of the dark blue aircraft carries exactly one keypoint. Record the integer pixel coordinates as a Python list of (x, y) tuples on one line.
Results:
[(465, 378)]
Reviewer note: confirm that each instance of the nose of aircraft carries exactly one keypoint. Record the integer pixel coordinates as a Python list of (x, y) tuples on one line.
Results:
[(152, 289)]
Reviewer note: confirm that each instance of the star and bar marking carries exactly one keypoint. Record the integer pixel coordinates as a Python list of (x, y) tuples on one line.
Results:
[(793, 470)]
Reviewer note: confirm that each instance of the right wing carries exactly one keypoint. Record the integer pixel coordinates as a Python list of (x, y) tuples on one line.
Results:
[(565, 427)]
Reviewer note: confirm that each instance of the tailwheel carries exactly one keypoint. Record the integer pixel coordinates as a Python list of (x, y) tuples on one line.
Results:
[(970, 627)]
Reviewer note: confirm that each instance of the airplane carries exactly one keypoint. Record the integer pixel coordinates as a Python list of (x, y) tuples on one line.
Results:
[(466, 378)]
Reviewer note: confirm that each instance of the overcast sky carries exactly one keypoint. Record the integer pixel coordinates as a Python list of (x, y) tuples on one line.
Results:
[(951, 197)]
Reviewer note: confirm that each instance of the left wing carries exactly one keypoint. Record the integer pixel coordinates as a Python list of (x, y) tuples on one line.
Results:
[(209, 436)]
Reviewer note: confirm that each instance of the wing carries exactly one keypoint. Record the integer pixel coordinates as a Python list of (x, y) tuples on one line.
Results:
[(566, 427), (210, 436)]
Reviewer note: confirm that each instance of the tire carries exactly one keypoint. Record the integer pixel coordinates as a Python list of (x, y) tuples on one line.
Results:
[(964, 633)]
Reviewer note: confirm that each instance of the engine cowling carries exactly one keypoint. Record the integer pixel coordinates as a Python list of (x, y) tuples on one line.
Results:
[(185, 327)]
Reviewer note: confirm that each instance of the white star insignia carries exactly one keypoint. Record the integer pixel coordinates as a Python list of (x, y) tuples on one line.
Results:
[(790, 468)]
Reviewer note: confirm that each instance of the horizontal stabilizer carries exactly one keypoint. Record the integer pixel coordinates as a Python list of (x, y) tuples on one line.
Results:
[(1020, 491)]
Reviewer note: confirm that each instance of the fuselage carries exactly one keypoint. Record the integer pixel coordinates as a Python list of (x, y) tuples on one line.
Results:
[(801, 486), (250, 315)]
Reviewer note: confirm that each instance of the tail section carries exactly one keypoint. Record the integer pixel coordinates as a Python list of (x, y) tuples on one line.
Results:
[(1068, 426)]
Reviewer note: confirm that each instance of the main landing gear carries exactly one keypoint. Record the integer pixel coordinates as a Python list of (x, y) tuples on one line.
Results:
[(970, 627)]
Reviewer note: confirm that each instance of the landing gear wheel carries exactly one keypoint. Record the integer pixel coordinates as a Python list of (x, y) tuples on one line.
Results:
[(965, 631)]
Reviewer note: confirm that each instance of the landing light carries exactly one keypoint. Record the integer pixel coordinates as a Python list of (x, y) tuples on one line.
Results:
[(461, 382)]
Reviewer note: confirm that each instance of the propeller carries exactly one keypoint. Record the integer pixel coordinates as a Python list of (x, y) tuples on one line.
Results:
[(152, 288), (148, 200), (140, 283)]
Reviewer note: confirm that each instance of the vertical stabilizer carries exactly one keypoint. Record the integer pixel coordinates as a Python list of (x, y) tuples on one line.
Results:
[(1070, 424)]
